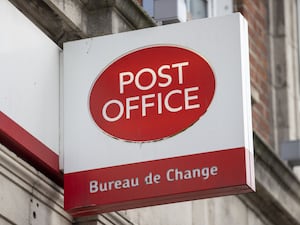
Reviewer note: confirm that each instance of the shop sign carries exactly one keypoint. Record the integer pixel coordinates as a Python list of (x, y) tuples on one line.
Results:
[(152, 94), (156, 116)]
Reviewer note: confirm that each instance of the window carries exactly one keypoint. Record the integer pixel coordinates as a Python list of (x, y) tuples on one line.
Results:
[(169, 11), (148, 6), (197, 9)]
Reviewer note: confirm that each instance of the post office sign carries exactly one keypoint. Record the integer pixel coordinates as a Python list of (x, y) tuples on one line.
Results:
[(157, 115)]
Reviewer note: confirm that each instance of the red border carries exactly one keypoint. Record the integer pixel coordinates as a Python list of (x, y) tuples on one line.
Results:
[(30, 149)]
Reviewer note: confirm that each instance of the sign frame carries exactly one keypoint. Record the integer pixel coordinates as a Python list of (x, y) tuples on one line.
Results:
[(196, 163)]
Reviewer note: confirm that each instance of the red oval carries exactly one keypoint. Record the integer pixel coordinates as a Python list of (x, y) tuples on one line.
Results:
[(152, 93)]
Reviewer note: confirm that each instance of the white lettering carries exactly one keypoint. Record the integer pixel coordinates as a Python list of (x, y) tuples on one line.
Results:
[(188, 98), (164, 75), (180, 73), (93, 186), (123, 82), (185, 98), (118, 116), (214, 170), (130, 107), (97, 186), (137, 79), (205, 173), (159, 103), (167, 105), (145, 104), (127, 77)]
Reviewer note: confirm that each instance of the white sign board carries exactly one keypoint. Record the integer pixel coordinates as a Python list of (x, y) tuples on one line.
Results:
[(157, 115)]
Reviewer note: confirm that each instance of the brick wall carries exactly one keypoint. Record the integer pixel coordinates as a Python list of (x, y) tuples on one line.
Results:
[(256, 12)]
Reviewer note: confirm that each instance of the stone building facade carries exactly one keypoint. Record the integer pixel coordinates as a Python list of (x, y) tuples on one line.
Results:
[(30, 43)]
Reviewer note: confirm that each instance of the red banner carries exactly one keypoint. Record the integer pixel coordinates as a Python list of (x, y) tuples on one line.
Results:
[(156, 182)]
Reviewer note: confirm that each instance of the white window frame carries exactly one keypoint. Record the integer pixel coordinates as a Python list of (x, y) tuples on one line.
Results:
[(214, 7)]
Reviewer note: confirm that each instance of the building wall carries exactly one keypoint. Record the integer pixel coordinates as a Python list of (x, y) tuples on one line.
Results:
[(277, 200), (215, 211), (284, 51), (28, 197), (256, 12)]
